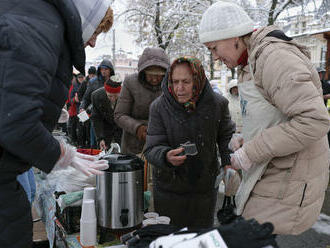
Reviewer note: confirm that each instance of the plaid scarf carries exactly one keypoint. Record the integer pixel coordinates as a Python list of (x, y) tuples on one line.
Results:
[(199, 80)]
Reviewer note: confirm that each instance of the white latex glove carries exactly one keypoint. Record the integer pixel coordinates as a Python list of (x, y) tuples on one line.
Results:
[(64, 117), (89, 165), (239, 160), (236, 142)]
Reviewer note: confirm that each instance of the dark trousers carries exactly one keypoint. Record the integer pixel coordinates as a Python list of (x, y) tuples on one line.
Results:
[(186, 210), (83, 134), (15, 211), (93, 142), (64, 127), (73, 128)]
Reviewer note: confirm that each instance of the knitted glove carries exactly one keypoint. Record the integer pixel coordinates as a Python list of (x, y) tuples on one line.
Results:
[(239, 160), (248, 234)]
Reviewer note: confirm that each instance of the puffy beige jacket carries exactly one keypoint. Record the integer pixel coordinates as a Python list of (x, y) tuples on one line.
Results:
[(290, 194)]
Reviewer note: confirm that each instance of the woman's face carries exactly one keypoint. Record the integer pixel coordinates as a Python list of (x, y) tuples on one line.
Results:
[(182, 80), (154, 75), (105, 72), (154, 80), (226, 51)]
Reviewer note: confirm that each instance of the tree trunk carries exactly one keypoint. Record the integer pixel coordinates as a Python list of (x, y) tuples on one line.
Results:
[(157, 26), (211, 67), (271, 12)]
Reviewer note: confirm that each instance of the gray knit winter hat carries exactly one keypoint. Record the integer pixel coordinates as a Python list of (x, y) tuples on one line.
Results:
[(91, 13), (224, 20)]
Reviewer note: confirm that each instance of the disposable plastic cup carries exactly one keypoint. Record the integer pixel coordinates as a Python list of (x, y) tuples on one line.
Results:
[(151, 215), (148, 222), (88, 211), (89, 193), (83, 116), (163, 220), (88, 233)]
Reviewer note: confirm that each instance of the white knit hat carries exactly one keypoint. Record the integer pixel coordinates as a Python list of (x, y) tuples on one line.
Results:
[(224, 20), (91, 13)]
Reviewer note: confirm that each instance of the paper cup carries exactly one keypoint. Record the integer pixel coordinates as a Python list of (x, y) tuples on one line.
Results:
[(163, 220), (88, 211), (83, 116), (88, 233), (151, 215), (88, 223), (148, 222), (89, 193)]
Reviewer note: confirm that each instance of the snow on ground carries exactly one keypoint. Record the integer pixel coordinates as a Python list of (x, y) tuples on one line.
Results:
[(323, 224)]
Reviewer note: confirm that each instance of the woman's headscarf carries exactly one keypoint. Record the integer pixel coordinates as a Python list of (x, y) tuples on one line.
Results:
[(199, 79)]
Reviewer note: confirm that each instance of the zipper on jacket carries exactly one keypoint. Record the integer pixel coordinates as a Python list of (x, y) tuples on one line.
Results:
[(174, 175), (303, 196)]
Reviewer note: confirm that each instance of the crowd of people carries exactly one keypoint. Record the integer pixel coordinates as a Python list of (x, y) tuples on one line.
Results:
[(271, 126)]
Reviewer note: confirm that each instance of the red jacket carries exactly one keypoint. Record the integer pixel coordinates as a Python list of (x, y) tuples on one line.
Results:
[(72, 106)]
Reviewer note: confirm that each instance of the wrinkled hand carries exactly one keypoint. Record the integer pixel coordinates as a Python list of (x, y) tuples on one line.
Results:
[(239, 160), (103, 147), (141, 132), (236, 142), (171, 157), (89, 165)]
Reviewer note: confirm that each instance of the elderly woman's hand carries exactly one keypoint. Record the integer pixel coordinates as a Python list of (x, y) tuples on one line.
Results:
[(173, 157)]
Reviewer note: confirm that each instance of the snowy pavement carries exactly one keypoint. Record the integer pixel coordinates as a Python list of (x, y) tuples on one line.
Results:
[(316, 237)]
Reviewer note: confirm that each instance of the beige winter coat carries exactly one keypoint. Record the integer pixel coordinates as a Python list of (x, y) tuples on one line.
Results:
[(290, 194), (136, 96)]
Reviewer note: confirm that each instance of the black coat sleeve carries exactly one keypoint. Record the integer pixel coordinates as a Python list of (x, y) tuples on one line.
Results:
[(97, 118), (226, 130), (82, 90), (87, 98), (157, 144), (29, 56)]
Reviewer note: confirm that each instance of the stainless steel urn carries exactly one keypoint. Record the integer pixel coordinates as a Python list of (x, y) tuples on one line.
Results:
[(119, 192)]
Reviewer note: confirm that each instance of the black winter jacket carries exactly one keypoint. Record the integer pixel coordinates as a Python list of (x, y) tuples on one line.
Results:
[(103, 118), (82, 89), (170, 125), (38, 47), (95, 84)]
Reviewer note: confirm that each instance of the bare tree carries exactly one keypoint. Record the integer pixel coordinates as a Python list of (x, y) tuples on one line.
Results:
[(173, 24)]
